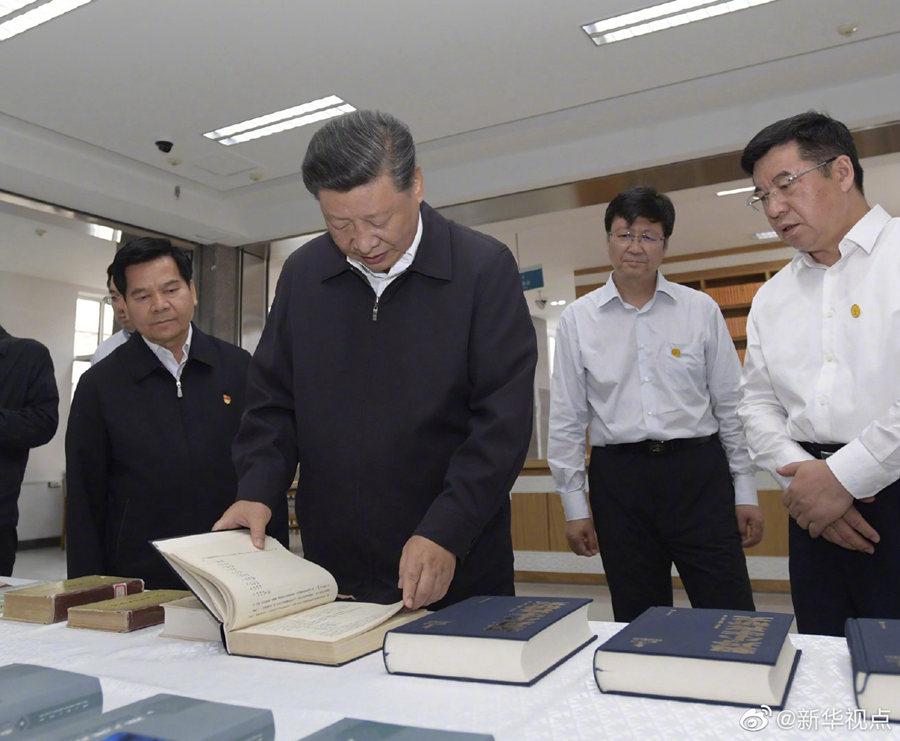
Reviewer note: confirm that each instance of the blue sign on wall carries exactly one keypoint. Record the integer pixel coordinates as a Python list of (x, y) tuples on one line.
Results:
[(532, 277)]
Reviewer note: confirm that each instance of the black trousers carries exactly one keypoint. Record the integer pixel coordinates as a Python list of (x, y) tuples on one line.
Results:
[(830, 584), (8, 543), (651, 511)]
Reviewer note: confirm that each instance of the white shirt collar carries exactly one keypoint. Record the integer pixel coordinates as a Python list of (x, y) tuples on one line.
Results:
[(866, 231), (167, 357), (863, 234), (609, 291), (402, 263)]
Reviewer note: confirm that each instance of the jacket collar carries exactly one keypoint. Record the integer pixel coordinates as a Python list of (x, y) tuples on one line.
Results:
[(432, 257), (5, 337), (141, 361)]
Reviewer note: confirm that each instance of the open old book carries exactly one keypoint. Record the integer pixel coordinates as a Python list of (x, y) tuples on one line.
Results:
[(275, 604)]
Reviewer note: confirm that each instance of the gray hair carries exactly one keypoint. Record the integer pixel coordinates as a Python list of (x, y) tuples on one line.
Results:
[(356, 148)]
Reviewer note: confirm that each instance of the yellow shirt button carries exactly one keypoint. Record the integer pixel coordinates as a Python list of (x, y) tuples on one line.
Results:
[(855, 311), (676, 352)]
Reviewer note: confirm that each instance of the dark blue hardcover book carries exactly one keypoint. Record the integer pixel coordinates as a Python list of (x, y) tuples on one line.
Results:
[(354, 729), (173, 718), (874, 647), (507, 640), (36, 698), (730, 657)]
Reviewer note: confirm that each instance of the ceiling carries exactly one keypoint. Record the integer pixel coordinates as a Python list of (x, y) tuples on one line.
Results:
[(60, 252), (501, 96)]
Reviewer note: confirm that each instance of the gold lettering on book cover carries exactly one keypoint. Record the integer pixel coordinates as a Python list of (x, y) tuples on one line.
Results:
[(520, 618), (740, 634), (638, 642)]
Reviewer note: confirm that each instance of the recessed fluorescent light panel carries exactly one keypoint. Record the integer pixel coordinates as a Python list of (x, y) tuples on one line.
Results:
[(662, 17), (39, 14), (763, 236), (106, 233), (735, 191), (275, 123)]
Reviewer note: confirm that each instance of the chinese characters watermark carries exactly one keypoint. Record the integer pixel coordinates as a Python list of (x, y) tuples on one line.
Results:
[(813, 719)]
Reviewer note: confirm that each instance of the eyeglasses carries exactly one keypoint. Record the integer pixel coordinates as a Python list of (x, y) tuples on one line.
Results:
[(783, 183), (626, 238)]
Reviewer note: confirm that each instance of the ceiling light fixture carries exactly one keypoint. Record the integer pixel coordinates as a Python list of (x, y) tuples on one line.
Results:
[(8, 7), (762, 236), (662, 17), (275, 123), (34, 17), (735, 191), (106, 233)]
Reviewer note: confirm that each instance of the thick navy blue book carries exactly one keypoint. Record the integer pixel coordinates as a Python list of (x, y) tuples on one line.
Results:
[(730, 657), (875, 657), (507, 640)]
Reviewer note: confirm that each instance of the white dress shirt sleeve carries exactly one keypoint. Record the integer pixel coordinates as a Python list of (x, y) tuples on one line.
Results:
[(871, 462), (723, 378), (569, 418), (763, 415)]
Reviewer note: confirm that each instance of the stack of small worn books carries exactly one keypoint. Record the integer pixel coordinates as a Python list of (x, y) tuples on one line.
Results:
[(110, 603)]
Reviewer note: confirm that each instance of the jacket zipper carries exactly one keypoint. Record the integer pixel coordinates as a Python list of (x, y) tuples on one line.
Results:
[(375, 309), (178, 386)]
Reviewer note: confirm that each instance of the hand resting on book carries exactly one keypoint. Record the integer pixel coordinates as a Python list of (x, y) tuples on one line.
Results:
[(426, 570), (252, 515)]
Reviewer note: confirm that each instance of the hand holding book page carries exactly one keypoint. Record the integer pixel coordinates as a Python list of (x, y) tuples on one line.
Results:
[(274, 603), (244, 586)]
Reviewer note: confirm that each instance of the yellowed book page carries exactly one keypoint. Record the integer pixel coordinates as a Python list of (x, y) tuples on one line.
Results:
[(328, 623), (256, 585)]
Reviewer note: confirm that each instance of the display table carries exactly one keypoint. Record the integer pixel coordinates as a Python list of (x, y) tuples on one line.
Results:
[(564, 705)]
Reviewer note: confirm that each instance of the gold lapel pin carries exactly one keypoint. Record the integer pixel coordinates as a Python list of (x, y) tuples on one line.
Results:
[(676, 353), (226, 398)]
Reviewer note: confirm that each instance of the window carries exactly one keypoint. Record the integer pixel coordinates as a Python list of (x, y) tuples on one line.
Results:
[(93, 324)]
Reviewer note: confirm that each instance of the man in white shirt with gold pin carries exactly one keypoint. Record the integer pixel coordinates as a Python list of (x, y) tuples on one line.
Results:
[(820, 405), (648, 368)]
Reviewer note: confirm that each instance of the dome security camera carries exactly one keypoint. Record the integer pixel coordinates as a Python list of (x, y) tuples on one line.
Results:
[(164, 145)]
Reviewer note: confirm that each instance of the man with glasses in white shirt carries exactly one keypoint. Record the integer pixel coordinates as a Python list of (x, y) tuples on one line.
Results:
[(820, 401), (117, 301), (648, 368)]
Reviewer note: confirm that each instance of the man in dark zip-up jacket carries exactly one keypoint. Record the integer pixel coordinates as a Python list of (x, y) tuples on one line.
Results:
[(29, 415), (397, 366), (148, 445)]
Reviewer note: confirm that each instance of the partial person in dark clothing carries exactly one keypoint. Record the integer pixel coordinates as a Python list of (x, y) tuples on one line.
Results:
[(29, 415), (397, 365), (148, 446)]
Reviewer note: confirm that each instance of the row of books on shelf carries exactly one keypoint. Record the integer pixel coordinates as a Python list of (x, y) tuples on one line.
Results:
[(739, 294), (271, 603)]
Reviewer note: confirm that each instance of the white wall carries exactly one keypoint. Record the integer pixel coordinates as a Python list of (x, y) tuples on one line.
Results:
[(44, 310)]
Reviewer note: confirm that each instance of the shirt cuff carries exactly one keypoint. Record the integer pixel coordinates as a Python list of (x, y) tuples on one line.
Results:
[(745, 489), (575, 505), (859, 471)]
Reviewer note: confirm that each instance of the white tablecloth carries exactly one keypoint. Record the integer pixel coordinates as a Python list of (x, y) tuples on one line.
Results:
[(564, 705)]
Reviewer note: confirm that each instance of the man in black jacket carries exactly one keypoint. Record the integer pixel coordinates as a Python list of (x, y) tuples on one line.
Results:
[(397, 366), (148, 446), (28, 418)]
